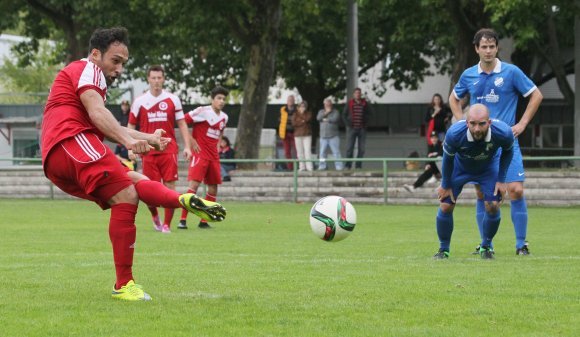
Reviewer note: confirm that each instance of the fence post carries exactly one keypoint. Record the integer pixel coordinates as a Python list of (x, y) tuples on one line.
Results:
[(385, 181), (295, 171)]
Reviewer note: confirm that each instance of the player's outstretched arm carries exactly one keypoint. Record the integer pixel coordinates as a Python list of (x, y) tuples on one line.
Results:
[(155, 139), (104, 120)]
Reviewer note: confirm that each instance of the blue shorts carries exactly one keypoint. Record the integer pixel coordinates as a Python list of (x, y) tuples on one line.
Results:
[(516, 171), (486, 180)]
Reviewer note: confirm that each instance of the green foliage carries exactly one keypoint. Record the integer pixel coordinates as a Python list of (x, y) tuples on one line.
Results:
[(525, 20), (263, 273), (31, 81)]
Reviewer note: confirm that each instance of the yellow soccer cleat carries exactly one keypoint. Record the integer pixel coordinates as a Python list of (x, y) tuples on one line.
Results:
[(207, 210), (131, 292)]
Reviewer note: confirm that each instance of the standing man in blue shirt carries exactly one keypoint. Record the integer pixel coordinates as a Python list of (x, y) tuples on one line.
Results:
[(471, 153), (498, 85)]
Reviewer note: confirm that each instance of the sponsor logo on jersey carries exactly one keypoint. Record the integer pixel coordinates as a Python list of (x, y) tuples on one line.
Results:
[(157, 116), (492, 97)]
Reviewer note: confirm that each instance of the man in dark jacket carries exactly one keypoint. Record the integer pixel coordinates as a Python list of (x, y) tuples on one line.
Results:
[(356, 116)]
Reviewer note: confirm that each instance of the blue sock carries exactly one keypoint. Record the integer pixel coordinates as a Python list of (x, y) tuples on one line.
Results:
[(520, 220), (444, 228), (479, 213), (490, 227)]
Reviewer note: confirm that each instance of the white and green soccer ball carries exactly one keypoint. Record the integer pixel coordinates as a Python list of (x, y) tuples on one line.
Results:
[(332, 218)]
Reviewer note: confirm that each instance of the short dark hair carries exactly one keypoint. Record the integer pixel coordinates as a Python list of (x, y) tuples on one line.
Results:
[(219, 90), (102, 38), (227, 140), (357, 89), (485, 33), (155, 67)]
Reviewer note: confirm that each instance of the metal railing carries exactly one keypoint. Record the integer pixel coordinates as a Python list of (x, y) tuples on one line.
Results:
[(295, 162)]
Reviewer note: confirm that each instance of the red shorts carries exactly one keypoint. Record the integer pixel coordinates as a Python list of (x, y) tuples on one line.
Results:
[(85, 167), (160, 167), (206, 171)]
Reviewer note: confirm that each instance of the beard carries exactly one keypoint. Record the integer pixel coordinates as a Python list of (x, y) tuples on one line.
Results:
[(110, 80)]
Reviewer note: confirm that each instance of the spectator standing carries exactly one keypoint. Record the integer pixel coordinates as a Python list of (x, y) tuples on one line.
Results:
[(329, 118), (438, 117), (286, 130), (226, 152), (301, 121), (356, 115)]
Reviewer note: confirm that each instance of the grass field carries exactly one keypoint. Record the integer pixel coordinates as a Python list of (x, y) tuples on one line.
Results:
[(263, 273)]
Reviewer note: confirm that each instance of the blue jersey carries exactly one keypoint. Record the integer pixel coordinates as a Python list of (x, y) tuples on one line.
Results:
[(465, 155), (498, 91)]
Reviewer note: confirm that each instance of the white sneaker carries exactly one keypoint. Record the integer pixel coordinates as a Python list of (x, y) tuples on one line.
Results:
[(432, 180), (409, 188)]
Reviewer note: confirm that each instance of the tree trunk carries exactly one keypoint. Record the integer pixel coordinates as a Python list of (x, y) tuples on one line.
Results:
[(468, 19), (260, 72), (555, 61)]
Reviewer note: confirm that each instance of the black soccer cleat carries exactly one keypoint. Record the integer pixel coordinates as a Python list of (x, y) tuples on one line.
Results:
[(486, 253), (182, 224), (524, 250), (477, 249), (204, 225), (441, 255)]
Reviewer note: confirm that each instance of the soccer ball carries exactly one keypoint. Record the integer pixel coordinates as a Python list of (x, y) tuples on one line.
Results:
[(332, 218)]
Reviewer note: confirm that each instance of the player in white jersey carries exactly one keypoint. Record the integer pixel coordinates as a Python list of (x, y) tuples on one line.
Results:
[(159, 109)]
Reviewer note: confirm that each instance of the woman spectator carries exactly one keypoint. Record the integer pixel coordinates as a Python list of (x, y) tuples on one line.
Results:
[(438, 117), (303, 135)]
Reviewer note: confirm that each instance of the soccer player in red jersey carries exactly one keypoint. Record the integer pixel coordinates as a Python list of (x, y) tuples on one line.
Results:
[(209, 123), (75, 159), (159, 109)]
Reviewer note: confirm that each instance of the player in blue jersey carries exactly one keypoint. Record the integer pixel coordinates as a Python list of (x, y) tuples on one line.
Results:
[(478, 150), (498, 85)]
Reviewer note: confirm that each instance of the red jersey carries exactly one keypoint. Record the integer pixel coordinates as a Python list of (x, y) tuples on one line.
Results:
[(161, 112), (207, 128), (64, 114)]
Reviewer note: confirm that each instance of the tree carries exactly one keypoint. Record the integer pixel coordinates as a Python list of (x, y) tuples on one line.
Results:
[(312, 58), (33, 78), (541, 32)]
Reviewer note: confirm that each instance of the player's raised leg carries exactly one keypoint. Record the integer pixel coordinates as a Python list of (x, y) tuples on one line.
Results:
[(155, 193)]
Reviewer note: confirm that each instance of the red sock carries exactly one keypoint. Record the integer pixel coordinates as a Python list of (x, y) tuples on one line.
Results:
[(184, 211), (154, 193), (209, 197), (122, 232), (168, 216), (153, 211)]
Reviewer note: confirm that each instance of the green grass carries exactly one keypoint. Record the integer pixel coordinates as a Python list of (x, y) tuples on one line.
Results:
[(263, 273)]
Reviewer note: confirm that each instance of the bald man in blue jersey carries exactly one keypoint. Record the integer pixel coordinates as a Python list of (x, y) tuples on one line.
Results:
[(498, 86), (477, 150)]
